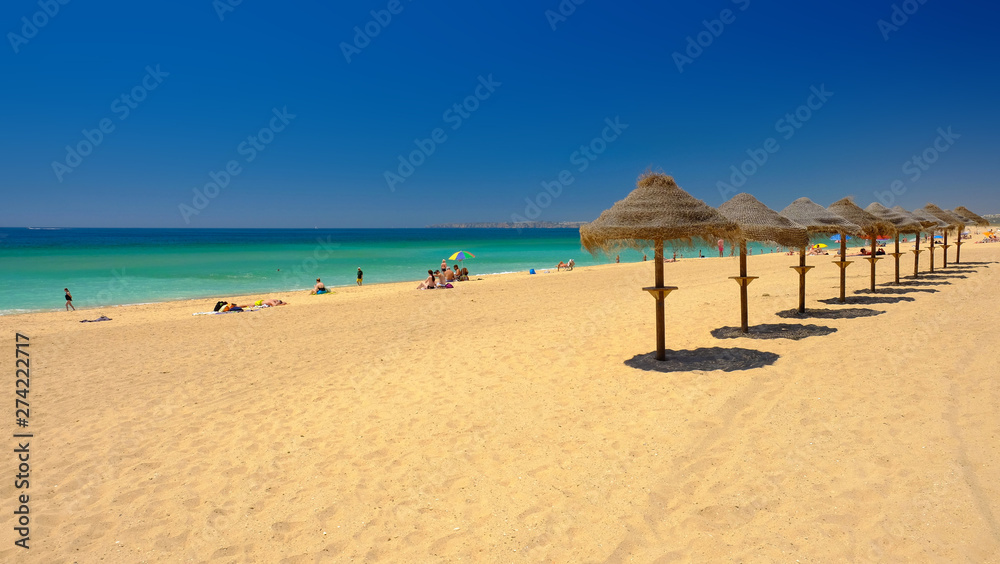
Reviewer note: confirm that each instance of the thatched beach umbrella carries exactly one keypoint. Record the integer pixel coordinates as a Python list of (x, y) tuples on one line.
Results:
[(929, 222), (818, 221), (758, 223), (656, 211), (973, 218), (924, 223), (954, 223), (871, 226), (902, 221)]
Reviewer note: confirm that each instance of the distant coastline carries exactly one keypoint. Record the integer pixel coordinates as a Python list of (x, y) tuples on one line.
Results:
[(505, 225)]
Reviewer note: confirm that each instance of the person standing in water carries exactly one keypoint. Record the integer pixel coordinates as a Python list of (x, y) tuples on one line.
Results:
[(361, 276), (69, 300)]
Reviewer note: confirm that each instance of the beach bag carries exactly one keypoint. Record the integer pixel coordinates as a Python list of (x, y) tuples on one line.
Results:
[(219, 305)]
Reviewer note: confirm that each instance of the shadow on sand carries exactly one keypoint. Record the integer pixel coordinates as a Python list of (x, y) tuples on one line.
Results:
[(911, 282), (774, 331), (938, 276), (897, 290), (867, 300), (846, 313), (707, 359)]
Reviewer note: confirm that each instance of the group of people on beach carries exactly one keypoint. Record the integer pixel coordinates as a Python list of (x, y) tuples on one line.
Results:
[(234, 307), (443, 277)]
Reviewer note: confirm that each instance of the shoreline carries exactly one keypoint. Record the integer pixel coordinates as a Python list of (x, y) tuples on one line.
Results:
[(291, 294), (904, 247)]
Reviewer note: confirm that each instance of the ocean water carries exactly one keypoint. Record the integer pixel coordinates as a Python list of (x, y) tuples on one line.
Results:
[(104, 267)]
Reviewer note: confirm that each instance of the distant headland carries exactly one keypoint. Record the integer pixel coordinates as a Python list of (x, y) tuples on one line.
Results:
[(518, 225)]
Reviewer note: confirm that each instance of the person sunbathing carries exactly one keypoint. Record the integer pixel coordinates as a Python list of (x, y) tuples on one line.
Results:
[(561, 266), (272, 303), (427, 284), (449, 276), (319, 288)]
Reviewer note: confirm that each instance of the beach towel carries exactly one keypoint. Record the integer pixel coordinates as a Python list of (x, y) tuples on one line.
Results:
[(101, 318), (255, 308)]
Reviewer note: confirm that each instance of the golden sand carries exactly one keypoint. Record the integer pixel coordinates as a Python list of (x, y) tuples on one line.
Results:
[(498, 422)]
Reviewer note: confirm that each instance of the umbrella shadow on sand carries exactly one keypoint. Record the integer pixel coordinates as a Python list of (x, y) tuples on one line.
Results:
[(922, 283), (846, 313), (976, 263), (791, 331), (707, 359), (940, 276), (890, 291), (868, 300)]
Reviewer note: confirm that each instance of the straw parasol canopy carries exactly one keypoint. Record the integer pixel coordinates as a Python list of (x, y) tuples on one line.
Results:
[(902, 211), (759, 223), (657, 210), (817, 219), (954, 222), (902, 221), (871, 226), (927, 220), (966, 213)]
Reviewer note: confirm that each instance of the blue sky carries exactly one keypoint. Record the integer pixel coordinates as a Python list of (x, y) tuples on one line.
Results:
[(314, 118)]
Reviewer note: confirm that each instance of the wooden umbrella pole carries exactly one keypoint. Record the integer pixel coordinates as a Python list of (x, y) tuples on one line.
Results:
[(843, 269), (932, 250), (873, 259), (897, 258), (916, 258), (661, 339), (744, 327), (958, 249), (945, 247), (802, 280)]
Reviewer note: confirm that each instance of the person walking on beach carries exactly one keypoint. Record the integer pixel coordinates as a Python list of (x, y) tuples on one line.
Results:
[(721, 245), (69, 300), (361, 276)]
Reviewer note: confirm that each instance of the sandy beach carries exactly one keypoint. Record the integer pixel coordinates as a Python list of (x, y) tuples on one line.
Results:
[(508, 420)]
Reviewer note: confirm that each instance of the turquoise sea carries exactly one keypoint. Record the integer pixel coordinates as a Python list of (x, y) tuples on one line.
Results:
[(104, 267)]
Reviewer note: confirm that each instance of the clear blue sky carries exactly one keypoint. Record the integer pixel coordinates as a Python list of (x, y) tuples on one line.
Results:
[(892, 89)]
